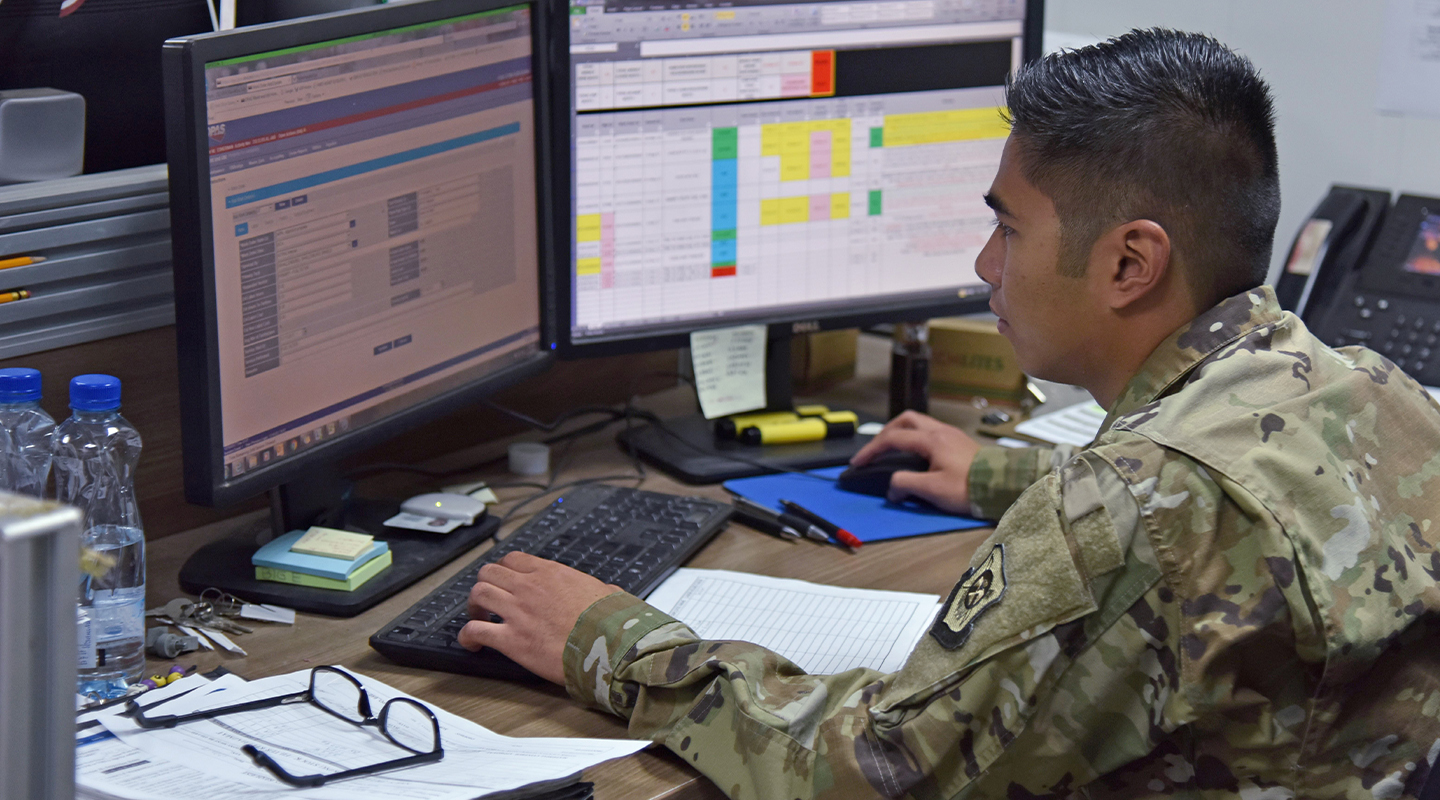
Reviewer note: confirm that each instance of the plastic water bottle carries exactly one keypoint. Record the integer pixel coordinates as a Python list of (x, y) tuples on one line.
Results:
[(96, 451), (26, 433)]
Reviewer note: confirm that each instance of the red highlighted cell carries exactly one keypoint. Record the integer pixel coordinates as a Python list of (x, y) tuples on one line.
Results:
[(722, 272), (822, 73)]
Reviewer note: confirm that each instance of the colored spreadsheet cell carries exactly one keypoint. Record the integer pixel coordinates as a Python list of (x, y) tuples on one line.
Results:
[(719, 235), (933, 127), (723, 272), (822, 73), (840, 205), (587, 266), (722, 252), (725, 143), (587, 228), (875, 204), (877, 137), (812, 149)]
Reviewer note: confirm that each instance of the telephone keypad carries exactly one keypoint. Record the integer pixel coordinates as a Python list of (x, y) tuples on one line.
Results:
[(1406, 330)]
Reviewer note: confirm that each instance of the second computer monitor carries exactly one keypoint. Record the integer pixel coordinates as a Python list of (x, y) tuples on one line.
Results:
[(822, 163)]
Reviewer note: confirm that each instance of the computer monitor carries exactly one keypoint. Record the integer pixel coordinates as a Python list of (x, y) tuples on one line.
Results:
[(355, 210), (806, 165)]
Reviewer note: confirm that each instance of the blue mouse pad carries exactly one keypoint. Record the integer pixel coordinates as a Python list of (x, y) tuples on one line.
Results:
[(870, 518)]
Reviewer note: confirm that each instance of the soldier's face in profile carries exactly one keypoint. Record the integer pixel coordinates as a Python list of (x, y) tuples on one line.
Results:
[(1048, 317)]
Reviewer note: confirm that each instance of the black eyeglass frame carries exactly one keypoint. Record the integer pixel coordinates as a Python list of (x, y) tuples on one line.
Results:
[(308, 696)]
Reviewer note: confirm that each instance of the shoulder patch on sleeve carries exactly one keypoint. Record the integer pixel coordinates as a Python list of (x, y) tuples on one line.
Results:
[(981, 587)]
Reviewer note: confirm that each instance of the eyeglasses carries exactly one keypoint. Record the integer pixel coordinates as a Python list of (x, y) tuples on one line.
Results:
[(403, 721)]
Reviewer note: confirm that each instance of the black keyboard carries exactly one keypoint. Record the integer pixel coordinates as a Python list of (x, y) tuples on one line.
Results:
[(628, 537)]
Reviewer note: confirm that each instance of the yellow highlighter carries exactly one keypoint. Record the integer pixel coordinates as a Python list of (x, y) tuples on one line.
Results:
[(831, 425), (730, 427)]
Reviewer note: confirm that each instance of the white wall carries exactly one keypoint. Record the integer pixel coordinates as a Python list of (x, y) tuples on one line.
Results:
[(1321, 59)]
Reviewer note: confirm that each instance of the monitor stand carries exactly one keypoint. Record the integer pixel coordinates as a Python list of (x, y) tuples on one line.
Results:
[(686, 447), (319, 498)]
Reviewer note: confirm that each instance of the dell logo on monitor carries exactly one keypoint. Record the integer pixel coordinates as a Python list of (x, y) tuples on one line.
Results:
[(808, 326)]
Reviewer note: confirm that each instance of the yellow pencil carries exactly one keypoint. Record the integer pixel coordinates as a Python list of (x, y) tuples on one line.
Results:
[(20, 261), (10, 297)]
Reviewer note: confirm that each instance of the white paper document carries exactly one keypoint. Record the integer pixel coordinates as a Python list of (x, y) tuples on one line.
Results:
[(203, 758), (1410, 59), (823, 629), (729, 369), (1078, 424)]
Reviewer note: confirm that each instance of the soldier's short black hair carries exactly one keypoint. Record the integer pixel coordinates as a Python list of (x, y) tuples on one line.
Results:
[(1156, 124)]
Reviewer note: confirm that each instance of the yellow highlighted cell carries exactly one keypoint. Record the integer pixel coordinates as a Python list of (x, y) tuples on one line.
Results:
[(839, 205), (791, 142), (587, 266), (932, 127), (770, 211), (587, 227), (794, 209)]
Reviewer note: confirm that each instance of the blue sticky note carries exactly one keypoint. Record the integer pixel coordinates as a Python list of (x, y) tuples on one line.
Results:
[(870, 518), (277, 554)]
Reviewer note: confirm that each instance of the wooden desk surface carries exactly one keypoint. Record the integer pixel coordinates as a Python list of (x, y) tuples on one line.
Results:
[(926, 564)]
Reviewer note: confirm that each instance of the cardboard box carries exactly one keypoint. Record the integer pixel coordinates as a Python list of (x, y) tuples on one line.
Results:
[(969, 358), (821, 360)]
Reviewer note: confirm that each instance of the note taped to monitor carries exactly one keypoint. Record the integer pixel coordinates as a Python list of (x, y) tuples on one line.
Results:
[(729, 368)]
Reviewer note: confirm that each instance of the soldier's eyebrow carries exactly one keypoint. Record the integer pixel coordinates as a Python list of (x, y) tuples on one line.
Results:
[(997, 205)]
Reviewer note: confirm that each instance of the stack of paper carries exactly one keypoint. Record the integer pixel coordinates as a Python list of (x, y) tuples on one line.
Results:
[(276, 561), (823, 629), (1078, 424), (203, 758)]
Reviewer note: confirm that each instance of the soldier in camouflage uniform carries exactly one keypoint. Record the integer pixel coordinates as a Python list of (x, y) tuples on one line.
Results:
[(1233, 592)]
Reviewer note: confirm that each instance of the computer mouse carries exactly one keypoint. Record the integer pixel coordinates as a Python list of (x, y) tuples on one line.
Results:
[(444, 505), (873, 477)]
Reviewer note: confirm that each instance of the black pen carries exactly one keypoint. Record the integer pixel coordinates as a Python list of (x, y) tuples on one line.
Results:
[(763, 519), (806, 526), (839, 534)]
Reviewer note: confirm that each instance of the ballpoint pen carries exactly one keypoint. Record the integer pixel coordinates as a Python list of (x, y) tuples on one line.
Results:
[(766, 524), (839, 534)]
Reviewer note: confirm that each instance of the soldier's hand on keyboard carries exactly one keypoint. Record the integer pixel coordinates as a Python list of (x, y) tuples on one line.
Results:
[(538, 601)]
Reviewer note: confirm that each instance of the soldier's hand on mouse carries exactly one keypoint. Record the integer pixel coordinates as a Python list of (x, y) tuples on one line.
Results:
[(948, 449)]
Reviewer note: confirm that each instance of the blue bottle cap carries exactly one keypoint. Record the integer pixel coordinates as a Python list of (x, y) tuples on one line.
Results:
[(19, 385), (94, 392)]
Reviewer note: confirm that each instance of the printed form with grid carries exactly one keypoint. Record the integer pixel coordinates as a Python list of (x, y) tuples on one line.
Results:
[(629, 537)]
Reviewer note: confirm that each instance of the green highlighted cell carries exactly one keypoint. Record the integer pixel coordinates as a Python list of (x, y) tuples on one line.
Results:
[(877, 137), (719, 236), (726, 143), (875, 203)]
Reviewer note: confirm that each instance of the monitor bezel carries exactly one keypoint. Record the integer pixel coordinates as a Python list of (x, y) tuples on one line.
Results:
[(778, 324), (196, 334)]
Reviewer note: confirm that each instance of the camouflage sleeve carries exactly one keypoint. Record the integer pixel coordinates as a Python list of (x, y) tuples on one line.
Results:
[(1052, 643), (999, 475)]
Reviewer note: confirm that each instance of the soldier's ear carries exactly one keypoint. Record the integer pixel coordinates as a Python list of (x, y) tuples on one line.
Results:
[(1131, 263)]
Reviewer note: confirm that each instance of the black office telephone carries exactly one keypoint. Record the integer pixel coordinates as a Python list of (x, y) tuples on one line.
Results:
[(1363, 272)]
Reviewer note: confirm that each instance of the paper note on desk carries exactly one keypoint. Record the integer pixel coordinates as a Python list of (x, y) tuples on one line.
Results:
[(823, 629), (729, 369), (870, 518), (1078, 424), (203, 758)]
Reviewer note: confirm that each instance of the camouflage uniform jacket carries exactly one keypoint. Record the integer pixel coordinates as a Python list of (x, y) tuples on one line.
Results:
[(1232, 592)]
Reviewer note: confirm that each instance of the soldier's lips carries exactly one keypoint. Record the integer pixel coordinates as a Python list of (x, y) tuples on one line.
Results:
[(1001, 324)]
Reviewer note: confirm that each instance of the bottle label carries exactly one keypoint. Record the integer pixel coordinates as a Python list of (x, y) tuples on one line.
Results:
[(88, 658), (118, 614)]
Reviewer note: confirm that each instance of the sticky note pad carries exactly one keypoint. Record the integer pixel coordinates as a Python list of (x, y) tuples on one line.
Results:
[(333, 543)]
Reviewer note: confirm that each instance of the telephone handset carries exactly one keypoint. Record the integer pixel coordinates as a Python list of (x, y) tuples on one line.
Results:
[(1332, 243), (1364, 272)]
